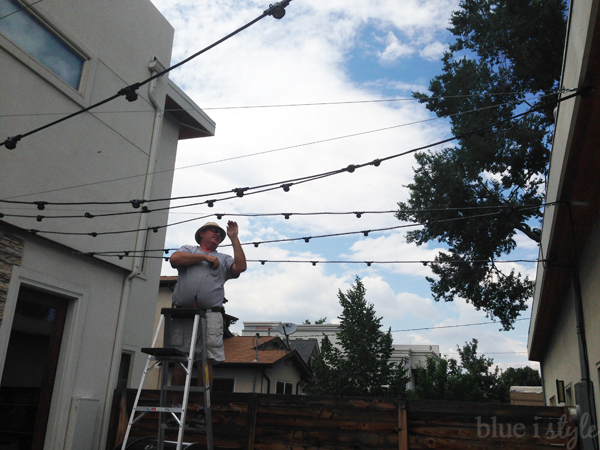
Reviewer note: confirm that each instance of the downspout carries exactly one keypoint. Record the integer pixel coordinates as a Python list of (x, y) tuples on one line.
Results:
[(255, 360), (155, 67), (262, 371)]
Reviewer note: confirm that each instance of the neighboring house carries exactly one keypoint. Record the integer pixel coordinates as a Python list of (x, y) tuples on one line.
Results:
[(72, 324), (568, 280), (526, 395), (410, 355), (267, 366)]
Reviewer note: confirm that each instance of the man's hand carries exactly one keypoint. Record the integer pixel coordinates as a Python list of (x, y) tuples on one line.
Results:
[(232, 229), (180, 259), (213, 261), (239, 264)]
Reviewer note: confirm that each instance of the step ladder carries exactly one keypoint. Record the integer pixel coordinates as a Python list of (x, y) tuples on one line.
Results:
[(161, 357)]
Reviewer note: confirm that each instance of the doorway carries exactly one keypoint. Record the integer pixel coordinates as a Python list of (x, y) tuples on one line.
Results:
[(30, 369)]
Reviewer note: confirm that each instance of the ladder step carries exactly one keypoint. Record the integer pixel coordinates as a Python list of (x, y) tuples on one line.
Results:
[(174, 409), (163, 351), (182, 388)]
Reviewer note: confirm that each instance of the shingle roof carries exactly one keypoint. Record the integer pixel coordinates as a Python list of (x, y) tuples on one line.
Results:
[(305, 347), (242, 349)]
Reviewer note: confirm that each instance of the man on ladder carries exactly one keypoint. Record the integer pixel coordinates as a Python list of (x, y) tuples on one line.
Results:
[(202, 273), (197, 315)]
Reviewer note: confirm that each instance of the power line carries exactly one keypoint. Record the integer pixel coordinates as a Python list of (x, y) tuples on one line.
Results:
[(21, 8), (289, 105), (434, 328), (287, 184), (455, 326), (129, 92)]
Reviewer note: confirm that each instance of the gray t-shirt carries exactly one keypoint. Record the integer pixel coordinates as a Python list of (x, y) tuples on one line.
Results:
[(200, 282)]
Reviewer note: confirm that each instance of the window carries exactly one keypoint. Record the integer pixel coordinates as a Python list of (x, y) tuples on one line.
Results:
[(40, 42), (283, 387), (223, 385)]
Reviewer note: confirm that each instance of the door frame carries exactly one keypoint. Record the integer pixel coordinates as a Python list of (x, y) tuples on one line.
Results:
[(64, 382)]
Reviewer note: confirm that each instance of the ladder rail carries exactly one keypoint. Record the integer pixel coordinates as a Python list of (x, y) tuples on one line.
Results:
[(199, 331), (206, 384), (132, 419), (188, 377)]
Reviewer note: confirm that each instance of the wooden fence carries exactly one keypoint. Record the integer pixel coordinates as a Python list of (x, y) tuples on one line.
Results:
[(289, 422)]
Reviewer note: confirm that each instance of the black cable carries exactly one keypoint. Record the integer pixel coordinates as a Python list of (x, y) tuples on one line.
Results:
[(286, 215), (314, 262), (129, 92), (264, 152), (286, 184), (256, 244)]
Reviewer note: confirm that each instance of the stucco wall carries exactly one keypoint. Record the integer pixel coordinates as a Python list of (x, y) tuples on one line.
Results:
[(589, 269), (561, 360)]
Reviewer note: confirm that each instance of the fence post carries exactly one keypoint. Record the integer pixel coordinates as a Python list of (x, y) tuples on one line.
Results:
[(402, 426), (252, 409)]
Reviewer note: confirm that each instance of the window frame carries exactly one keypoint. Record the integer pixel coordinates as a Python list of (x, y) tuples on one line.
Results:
[(285, 385), (56, 27), (228, 379)]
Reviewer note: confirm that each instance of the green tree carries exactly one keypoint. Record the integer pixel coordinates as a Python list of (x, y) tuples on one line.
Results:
[(520, 376), (361, 365), (320, 321), (505, 51), (471, 380)]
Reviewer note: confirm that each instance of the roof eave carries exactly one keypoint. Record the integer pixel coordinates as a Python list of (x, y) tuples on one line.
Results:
[(574, 165), (194, 123)]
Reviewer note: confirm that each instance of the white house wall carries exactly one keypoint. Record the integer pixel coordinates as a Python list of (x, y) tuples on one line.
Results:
[(562, 357), (252, 380), (95, 147)]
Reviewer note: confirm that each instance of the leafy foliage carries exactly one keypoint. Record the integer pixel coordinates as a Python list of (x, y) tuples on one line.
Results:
[(320, 321), (361, 365), (505, 51), (473, 379)]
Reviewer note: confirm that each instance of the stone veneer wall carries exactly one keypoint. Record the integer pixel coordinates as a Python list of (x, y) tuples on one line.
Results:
[(11, 250)]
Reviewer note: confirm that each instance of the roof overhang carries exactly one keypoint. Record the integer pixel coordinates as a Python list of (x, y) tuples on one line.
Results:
[(194, 123), (573, 178)]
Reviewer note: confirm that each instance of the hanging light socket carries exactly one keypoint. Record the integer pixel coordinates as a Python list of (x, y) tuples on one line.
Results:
[(278, 9)]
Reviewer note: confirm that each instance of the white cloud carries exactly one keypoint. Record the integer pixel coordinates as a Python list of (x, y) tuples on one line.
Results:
[(391, 305), (395, 49), (433, 51), (393, 247)]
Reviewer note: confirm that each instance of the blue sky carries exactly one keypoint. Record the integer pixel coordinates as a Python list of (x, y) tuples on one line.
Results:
[(322, 52)]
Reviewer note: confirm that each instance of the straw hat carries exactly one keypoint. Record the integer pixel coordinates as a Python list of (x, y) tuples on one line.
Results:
[(209, 225)]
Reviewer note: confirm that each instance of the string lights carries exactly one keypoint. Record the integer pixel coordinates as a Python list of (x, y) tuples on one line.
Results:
[(285, 185), (307, 239)]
